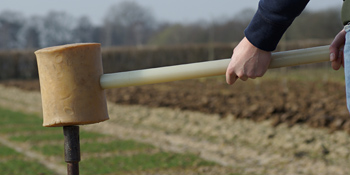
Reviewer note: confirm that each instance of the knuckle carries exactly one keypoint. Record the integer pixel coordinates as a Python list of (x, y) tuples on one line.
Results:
[(231, 74), (260, 74), (244, 78), (240, 74), (251, 74)]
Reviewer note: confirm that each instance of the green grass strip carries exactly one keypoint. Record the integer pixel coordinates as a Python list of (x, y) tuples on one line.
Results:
[(16, 166), (6, 151), (140, 162), (57, 134), (95, 147), (11, 129), (50, 150), (38, 137), (90, 135), (116, 145), (13, 117)]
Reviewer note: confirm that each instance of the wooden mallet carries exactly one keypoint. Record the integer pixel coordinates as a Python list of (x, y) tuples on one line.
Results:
[(72, 84)]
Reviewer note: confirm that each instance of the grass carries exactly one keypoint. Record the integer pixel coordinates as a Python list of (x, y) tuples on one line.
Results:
[(38, 137), (54, 135), (16, 166), (12, 162), (11, 117), (141, 162), (6, 151), (116, 145), (23, 128), (50, 150), (96, 147)]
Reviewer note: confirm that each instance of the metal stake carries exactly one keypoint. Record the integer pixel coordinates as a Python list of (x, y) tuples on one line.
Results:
[(72, 149)]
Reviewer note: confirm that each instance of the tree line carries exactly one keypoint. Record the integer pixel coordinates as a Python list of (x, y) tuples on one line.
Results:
[(130, 24)]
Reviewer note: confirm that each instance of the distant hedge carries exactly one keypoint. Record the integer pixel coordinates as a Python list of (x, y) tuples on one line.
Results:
[(22, 64), (124, 59), (18, 65)]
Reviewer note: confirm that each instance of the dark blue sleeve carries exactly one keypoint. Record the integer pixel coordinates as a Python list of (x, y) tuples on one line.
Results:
[(271, 20)]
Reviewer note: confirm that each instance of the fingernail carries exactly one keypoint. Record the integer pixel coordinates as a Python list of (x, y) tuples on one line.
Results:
[(332, 57)]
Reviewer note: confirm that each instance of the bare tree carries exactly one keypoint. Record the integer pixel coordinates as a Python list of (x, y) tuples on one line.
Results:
[(323, 24), (219, 30), (84, 30), (56, 29), (128, 23), (10, 24), (29, 34)]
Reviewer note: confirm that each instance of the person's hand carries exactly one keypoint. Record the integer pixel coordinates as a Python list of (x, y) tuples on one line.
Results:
[(247, 62), (336, 50)]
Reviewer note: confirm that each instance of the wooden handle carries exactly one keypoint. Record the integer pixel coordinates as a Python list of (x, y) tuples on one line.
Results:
[(207, 69)]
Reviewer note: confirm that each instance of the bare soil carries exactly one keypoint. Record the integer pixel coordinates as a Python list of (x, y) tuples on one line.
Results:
[(317, 104)]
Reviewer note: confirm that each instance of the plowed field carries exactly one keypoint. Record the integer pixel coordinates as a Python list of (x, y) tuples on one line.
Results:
[(291, 101)]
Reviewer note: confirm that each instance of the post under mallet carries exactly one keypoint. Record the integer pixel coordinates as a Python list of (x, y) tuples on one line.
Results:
[(71, 149), (72, 84)]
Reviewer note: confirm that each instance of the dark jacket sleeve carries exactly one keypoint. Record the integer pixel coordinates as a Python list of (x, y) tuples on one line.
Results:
[(271, 20)]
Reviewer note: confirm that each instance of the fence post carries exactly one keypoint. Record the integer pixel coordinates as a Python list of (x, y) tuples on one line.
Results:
[(72, 149)]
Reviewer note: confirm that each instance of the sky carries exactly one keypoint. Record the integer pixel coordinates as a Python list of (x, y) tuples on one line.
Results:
[(184, 11)]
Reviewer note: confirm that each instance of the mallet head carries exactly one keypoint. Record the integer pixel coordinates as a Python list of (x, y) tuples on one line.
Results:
[(70, 84)]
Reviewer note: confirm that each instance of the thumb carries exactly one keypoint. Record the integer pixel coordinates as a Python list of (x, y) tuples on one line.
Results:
[(230, 79)]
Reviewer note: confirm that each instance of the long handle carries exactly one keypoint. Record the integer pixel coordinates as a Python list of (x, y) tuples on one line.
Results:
[(207, 69)]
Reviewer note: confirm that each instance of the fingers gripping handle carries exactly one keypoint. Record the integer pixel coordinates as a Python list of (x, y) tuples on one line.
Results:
[(207, 69)]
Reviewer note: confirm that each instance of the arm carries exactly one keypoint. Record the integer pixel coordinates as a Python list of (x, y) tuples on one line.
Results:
[(271, 20), (252, 55)]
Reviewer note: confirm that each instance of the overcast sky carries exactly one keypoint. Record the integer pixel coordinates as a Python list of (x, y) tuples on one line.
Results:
[(163, 10)]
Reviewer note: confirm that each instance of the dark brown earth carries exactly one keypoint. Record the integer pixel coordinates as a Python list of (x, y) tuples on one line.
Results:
[(317, 104)]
